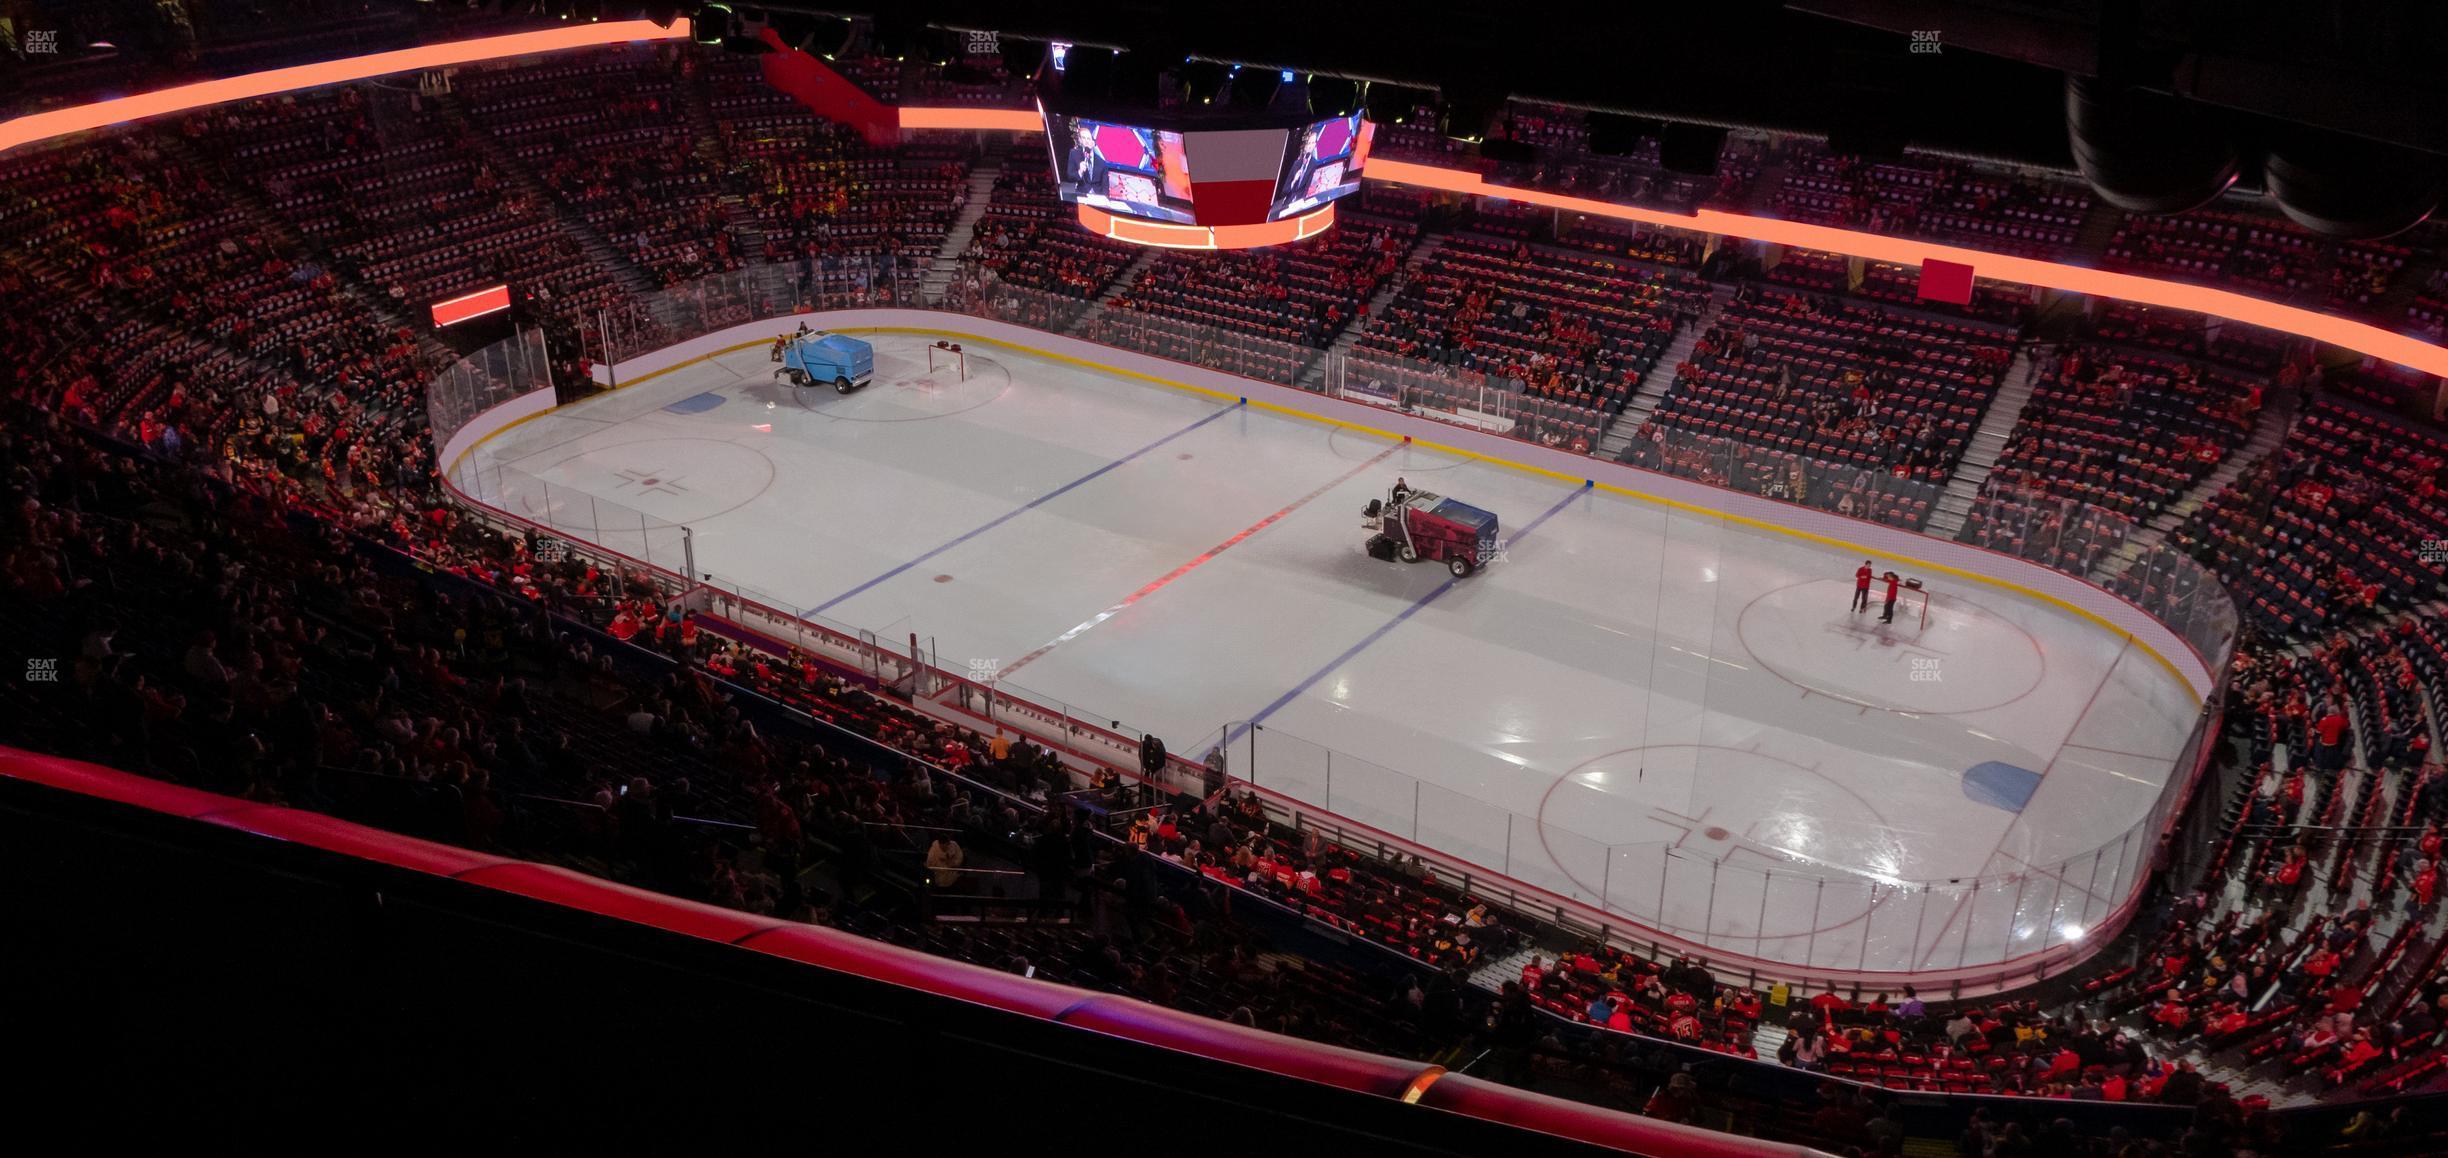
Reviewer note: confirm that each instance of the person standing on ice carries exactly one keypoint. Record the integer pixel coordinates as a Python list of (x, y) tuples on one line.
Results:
[(1888, 614), (1861, 587)]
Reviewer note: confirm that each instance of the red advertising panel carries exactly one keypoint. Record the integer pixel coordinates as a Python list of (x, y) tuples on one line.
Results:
[(452, 311)]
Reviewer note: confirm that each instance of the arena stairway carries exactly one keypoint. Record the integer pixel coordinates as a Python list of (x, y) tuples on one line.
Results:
[(1987, 445), (1314, 377), (2098, 229), (939, 272), (1761, 200), (289, 240), (711, 148), (1128, 279), (1661, 377), (506, 162), (2270, 429)]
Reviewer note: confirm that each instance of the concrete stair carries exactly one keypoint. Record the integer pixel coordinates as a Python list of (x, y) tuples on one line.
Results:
[(1493, 972), (2269, 430), (1987, 445), (956, 240), (1660, 378), (507, 165), (2091, 241), (269, 220), (1764, 189), (1313, 377), (747, 234), (1130, 275), (1128, 279)]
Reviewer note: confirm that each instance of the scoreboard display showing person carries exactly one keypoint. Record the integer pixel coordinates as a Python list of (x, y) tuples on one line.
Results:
[(1218, 169)]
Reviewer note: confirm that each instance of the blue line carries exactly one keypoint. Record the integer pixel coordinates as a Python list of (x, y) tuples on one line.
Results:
[(1416, 606), (1032, 504)]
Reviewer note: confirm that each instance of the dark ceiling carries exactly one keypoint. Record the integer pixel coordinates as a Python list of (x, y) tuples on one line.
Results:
[(1993, 85), (1741, 62), (2336, 107)]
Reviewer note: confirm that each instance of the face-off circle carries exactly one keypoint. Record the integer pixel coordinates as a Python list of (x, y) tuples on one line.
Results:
[(651, 484), (1969, 659), (1714, 811)]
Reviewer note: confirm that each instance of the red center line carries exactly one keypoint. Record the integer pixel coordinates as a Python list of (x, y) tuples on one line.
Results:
[(1193, 564)]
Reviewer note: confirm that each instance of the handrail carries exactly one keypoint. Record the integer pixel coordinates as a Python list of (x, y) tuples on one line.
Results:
[(1347, 1069)]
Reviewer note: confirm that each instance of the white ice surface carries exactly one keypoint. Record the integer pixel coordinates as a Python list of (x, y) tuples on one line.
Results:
[(1640, 708)]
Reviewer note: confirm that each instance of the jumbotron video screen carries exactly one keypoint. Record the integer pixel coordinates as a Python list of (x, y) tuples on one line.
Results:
[(1217, 176)]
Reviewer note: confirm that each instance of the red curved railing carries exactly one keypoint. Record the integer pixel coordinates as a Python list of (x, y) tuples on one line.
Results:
[(1351, 1070)]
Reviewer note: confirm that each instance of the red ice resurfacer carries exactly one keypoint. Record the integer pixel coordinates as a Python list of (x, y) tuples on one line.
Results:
[(1414, 525)]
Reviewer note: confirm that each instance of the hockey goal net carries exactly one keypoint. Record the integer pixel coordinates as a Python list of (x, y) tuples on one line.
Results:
[(948, 356), (1912, 613)]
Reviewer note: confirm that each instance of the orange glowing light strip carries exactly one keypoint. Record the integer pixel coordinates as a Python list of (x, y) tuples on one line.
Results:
[(2362, 337), (2353, 335), (1167, 235), (34, 127), (1006, 120)]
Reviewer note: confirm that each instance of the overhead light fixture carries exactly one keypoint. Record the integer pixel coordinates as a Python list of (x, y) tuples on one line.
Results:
[(713, 23), (2149, 152), (1395, 103), (2351, 188), (1469, 108), (1333, 96), (1252, 88), (1692, 149), (895, 32), (1021, 57), (810, 33), (1201, 80)]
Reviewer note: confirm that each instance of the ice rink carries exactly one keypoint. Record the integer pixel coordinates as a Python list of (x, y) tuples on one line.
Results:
[(1668, 716)]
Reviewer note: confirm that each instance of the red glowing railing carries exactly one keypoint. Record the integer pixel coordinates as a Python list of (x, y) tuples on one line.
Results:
[(1408, 1082)]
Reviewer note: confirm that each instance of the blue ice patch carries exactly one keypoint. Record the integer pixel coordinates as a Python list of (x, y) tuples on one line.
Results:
[(2000, 786), (696, 403)]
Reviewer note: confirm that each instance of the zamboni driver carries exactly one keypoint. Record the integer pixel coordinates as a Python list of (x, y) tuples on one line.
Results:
[(1402, 489), (783, 343)]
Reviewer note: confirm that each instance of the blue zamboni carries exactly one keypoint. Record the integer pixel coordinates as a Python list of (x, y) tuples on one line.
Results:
[(813, 359)]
